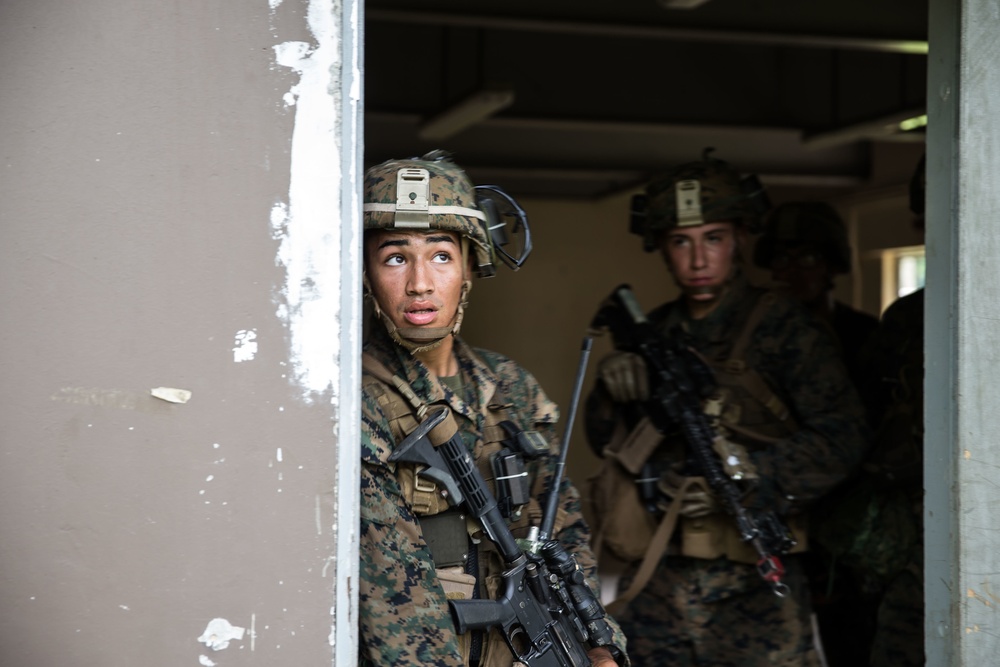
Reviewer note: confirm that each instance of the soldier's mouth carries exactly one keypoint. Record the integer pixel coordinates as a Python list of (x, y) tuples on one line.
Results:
[(420, 315)]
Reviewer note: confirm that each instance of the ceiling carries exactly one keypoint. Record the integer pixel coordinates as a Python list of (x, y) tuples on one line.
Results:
[(607, 93)]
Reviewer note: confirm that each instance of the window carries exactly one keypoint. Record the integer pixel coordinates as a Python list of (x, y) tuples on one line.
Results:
[(903, 271)]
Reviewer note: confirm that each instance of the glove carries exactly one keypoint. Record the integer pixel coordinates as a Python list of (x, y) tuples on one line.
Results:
[(625, 377), (698, 502), (698, 499)]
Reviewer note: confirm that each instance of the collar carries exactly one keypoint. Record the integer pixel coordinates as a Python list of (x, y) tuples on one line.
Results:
[(715, 326), (479, 384)]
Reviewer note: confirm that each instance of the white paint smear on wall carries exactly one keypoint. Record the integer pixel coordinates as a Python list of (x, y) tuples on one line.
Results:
[(245, 345), (219, 632), (308, 226)]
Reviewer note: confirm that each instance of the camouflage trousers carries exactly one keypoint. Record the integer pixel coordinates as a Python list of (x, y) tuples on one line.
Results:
[(717, 613), (899, 635)]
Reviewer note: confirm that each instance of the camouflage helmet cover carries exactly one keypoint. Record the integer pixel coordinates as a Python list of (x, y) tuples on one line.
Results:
[(697, 193), (431, 192), (805, 223)]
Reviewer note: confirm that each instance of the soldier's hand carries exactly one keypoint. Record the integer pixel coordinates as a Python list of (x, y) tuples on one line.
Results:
[(698, 503), (698, 499), (601, 657), (625, 377)]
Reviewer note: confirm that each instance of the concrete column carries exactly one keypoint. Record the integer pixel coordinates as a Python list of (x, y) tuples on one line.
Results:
[(180, 264), (962, 450)]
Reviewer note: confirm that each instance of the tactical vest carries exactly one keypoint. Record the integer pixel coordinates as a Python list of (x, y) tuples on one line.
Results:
[(748, 415), (404, 410)]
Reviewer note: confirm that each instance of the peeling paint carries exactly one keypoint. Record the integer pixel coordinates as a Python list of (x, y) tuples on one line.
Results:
[(170, 394), (245, 346), (307, 225), (205, 660), (219, 632)]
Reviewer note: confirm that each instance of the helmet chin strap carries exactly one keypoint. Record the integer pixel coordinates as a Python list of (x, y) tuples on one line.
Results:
[(423, 339)]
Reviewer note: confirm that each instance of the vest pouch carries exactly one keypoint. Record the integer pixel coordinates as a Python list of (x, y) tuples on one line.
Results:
[(621, 520), (447, 538), (716, 535), (511, 481), (705, 536)]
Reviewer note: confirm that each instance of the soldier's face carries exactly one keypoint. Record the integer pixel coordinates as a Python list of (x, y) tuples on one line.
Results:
[(702, 259), (416, 277), (805, 271)]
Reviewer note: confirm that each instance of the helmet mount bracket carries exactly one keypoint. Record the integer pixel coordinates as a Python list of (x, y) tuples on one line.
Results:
[(412, 199)]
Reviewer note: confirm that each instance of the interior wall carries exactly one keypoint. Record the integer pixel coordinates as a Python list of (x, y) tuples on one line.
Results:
[(583, 251), (879, 218), (540, 314), (152, 213)]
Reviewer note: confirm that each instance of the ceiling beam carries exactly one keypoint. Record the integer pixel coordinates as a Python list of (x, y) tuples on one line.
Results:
[(884, 128), (915, 47), (574, 125)]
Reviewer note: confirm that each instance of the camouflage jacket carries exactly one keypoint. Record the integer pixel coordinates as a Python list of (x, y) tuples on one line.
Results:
[(404, 616), (799, 360)]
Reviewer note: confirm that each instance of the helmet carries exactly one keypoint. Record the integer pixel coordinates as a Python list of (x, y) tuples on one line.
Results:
[(799, 223), (432, 192), (694, 194)]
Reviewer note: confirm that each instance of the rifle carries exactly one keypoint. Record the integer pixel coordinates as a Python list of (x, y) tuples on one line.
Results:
[(679, 379), (545, 610)]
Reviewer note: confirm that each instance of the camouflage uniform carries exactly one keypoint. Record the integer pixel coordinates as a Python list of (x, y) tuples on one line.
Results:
[(852, 329), (404, 616), (896, 356), (814, 233), (718, 611)]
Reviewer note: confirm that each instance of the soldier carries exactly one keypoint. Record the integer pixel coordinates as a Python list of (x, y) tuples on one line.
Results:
[(426, 231), (805, 246), (898, 461), (896, 356), (785, 404)]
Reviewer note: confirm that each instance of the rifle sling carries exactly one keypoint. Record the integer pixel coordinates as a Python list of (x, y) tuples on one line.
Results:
[(654, 552), (379, 371)]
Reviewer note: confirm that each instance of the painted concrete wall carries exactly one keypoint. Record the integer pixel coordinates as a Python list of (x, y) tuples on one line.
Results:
[(171, 204), (962, 455)]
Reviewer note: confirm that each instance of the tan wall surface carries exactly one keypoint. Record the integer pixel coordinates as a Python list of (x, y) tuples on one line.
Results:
[(144, 146), (583, 251), (540, 314)]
